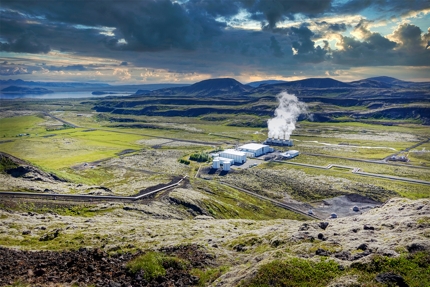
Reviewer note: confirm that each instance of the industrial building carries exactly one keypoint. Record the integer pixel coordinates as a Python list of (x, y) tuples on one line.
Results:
[(225, 162), (237, 156), (278, 142), (255, 150), (290, 154)]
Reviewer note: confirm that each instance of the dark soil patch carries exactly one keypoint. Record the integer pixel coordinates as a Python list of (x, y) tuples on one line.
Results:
[(95, 267), (161, 185)]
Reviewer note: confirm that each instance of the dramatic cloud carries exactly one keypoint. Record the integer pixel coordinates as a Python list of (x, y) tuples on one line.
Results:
[(409, 37), (275, 10), (395, 7), (133, 40), (24, 43)]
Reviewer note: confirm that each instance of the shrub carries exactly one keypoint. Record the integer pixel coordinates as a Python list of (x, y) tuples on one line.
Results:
[(295, 272), (150, 263), (154, 264), (200, 157), (184, 161)]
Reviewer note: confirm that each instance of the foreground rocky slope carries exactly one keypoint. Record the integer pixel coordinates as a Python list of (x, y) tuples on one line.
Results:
[(229, 252)]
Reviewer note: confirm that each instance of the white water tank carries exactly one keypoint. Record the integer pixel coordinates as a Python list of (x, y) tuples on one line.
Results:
[(216, 163), (225, 166)]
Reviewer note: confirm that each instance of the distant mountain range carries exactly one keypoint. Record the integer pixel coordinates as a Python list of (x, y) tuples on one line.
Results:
[(228, 87), (77, 86), (25, 90), (312, 87)]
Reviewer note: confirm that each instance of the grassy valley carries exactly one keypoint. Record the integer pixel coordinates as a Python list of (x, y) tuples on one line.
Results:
[(246, 227)]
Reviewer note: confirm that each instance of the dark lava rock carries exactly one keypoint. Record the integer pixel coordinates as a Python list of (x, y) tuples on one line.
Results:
[(95, 267), (322, 252), (240, 247), (321, 237), (323, 225), (304, 227), (355, 230), (390, 278), (368, 227), (26, 232), (360, 255), (415, 247), (362, 247), (343, 255), (90, 268), (50, 236)]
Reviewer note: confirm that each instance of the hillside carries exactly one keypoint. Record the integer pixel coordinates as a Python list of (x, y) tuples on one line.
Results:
[(319, 83), (207, 88), (388, 243)]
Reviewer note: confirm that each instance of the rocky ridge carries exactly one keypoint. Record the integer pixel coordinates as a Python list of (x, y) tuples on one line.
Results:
[(397, 227)]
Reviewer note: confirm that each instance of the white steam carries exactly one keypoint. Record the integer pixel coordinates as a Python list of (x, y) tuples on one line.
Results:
[(286, 115)]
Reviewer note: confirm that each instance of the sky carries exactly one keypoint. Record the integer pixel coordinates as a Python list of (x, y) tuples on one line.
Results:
[(185, 41)]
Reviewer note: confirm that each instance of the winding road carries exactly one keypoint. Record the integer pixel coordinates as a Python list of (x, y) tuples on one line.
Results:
[(81, 197)]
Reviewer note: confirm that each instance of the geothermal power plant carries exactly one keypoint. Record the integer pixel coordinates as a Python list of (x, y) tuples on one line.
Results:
[(280, 129)]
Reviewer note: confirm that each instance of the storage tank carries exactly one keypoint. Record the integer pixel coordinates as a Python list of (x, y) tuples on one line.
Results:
[(225, 166), (216, 163)]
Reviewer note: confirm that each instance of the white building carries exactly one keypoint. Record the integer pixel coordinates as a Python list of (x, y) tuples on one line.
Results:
[(290, 154), (216, 163), (254, 149), (237, 156), (226, 166)]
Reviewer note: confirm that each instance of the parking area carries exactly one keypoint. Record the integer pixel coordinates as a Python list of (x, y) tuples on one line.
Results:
[(250, 162)]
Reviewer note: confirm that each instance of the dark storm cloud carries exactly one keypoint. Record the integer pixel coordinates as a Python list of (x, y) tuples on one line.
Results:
[(192, 37), (24, 43), (215, 8), (409, 36), (24, 34), (275, 10), (274, 45), (150, 25), (394, 6)]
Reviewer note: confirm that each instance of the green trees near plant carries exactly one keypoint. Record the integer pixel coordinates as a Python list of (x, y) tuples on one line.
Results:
[(200, 157)]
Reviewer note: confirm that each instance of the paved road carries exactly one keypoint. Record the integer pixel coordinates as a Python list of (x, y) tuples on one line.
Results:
[(80, 197), (358, 171), (365, 160), (407, 149)]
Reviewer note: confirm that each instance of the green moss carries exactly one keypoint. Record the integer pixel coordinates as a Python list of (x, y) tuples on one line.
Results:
[(294, 272), (154, 264), (207, 276), (414, 268), (425, 221), (228, 203)]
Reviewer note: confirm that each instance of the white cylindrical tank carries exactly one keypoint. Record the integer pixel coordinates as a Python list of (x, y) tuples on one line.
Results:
[(216, 163), (225, 166)]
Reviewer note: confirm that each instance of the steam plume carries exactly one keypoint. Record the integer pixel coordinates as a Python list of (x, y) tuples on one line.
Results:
[(286, 114)]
